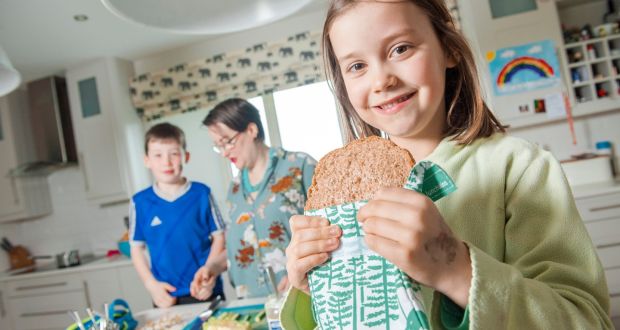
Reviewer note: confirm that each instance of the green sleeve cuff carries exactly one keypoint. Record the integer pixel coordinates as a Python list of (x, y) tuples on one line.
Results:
[(296, 313), (452, 316)]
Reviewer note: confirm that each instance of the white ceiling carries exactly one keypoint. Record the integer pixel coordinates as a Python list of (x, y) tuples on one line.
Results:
[(42, 38)]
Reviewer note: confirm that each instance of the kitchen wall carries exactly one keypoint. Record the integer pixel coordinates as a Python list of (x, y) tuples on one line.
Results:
[(74, 223)]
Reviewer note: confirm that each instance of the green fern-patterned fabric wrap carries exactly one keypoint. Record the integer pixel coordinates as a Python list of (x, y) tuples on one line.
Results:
[(359, 289)]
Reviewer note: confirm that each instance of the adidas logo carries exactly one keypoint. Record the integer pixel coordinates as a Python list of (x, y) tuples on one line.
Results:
[(156, 221)]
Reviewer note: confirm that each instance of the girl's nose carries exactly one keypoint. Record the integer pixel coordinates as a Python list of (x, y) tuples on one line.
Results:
[(383, 80)]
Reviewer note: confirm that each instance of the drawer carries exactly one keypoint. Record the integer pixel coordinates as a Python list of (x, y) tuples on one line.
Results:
[(47, 311), (604, 232), (600, 207), (44, 285), (609, 255), (613, 281)]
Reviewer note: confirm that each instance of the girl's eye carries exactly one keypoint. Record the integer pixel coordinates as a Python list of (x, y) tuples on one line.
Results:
[(355, 67), (398, 50)]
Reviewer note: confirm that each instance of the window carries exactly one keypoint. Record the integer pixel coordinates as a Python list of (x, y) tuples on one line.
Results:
[(307, 119), (501, 8)]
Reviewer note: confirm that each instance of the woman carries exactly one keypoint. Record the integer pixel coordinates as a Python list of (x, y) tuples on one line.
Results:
[(270, 188)]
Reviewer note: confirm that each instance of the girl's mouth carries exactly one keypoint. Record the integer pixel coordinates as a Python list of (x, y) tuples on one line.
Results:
[(233, 160), (395, 104)]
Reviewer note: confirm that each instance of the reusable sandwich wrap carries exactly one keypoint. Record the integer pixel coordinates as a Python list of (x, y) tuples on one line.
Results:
[(357, 288)]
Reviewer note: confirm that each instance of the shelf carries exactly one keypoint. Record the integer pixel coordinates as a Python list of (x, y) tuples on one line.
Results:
[(594, 72), (600, 80), (592, 41), (582, 83), (577, 64), (579, 110)]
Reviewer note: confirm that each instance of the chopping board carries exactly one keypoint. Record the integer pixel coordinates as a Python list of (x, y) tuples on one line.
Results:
[(188, 313)]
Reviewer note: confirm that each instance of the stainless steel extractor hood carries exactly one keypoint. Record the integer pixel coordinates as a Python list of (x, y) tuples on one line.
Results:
[(52, 130)]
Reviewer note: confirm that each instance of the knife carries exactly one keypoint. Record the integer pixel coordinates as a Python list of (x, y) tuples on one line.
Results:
[(205, 315), (5, 247), (6, 242)]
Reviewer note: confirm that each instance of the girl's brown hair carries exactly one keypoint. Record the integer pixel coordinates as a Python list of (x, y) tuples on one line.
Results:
[(467, 115)]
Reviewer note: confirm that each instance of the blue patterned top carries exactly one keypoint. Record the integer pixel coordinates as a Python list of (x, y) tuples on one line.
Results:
[(259, 232)]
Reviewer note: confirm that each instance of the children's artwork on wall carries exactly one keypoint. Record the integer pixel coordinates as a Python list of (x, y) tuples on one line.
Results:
[(524, 68), (539, 106), (523, 108)]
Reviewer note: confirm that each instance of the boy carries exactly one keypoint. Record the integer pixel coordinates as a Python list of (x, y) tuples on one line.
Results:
[(177, 220)]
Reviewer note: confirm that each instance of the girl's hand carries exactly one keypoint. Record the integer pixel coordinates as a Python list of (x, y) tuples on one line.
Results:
[(406, 228), (159, 293), (283, 284), (312, 240)]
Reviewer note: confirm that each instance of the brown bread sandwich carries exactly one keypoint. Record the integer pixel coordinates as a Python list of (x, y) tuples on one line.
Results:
[(357, 171)]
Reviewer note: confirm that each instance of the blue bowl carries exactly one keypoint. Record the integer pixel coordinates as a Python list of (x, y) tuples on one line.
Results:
[(124, 247)]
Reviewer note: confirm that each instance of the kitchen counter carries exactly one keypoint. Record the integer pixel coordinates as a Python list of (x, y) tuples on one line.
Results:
[(596, 189), (100, 262)]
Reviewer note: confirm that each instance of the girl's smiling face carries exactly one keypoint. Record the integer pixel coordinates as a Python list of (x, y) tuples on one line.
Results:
[(393, 67)]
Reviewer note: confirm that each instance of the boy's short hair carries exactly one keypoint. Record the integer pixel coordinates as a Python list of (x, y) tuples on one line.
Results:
[(164, 131)]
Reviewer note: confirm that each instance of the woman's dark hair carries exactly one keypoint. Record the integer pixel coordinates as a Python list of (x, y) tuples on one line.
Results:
[(237, 114), (467, 115)]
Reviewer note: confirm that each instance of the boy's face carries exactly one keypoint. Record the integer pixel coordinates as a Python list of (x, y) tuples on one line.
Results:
[(165, 160)]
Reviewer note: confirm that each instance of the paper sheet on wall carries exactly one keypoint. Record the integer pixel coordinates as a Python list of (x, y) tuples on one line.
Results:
[(555, 106)]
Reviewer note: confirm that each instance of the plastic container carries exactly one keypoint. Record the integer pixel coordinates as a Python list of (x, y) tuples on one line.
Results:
[(273, 303), (605, 148), (124, 247)]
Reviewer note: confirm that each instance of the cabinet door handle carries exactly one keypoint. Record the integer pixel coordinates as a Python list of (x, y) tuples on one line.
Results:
[(35, 314), (82, 165), (87, 294), (40, 286), (15, 192), (603, 208), (2, 311)]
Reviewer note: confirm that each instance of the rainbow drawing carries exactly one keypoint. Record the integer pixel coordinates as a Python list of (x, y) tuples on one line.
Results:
[(524, 68), (536, 65)]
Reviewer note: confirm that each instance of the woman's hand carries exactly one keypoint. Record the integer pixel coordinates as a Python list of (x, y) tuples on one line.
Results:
[(406, 228), (202, 286), (159, 293), (311, 242)]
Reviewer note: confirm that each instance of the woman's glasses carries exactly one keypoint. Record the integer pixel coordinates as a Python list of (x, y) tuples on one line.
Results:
[(226, 145)]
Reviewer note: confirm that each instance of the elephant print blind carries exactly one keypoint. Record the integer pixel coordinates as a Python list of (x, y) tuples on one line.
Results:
[(256, 70)]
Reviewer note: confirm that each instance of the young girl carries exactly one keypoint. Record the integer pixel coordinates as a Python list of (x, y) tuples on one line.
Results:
[(506, 250)]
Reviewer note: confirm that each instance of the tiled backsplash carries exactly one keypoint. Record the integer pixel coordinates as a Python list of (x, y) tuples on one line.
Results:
[(75, 223)]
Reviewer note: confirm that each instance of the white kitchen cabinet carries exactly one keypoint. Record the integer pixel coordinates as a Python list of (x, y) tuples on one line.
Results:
[(109, 133), (42, 302), (105, 285), (601, 215), (5, 322), (20, 197), (102, 286), (133, 289)]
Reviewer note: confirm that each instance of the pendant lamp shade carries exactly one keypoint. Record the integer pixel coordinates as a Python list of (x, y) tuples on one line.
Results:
[(203, 16), (9, 77)]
